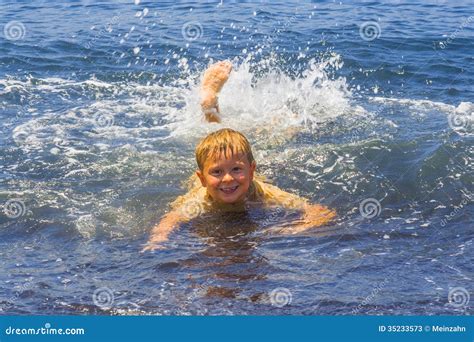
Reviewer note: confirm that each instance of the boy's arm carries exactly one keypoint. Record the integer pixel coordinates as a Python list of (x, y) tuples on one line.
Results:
[(315, 215), (161, 231)]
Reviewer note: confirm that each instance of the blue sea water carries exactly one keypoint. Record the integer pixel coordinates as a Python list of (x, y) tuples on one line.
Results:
[(365, 107)]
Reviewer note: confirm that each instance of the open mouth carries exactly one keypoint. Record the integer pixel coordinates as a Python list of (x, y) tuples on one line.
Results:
[(229, 190)]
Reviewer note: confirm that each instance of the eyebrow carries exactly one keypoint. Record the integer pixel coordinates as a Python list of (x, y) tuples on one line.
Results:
[(210, 167)]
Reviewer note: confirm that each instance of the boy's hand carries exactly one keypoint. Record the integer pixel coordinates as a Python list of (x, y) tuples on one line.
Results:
[(155, 243)]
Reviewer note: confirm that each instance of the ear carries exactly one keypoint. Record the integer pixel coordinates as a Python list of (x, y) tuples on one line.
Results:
[(201, 178), (253, 166)]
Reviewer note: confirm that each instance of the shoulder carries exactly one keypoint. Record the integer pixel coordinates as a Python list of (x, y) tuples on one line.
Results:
[(193, 203), (273, 195)]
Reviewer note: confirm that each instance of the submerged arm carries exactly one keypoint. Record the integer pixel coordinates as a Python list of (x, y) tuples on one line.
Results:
[(160, 232), (314, 215)]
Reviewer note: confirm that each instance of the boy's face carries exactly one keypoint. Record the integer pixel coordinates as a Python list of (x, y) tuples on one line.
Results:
[(227, 179)]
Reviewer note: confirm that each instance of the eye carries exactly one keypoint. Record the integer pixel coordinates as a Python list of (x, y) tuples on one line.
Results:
[(215, 172), (237, 169)]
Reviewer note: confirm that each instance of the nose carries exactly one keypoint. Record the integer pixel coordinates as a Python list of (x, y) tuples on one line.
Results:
[(227, 178)]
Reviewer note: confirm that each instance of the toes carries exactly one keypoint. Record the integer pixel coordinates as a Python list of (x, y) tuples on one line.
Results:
[(227, 65)]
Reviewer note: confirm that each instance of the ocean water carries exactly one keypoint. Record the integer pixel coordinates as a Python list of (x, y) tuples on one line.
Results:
[(366, 108)]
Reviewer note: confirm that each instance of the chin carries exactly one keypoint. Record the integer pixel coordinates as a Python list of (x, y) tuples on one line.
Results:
[(229, 200)]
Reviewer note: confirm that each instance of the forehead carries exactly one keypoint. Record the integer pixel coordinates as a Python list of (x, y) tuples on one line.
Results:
[(224, 159)]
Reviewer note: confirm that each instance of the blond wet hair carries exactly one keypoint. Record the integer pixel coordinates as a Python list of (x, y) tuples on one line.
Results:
[(224, 142)]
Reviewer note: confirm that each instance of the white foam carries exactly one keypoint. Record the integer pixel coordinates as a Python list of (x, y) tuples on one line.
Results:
[(275, 100)]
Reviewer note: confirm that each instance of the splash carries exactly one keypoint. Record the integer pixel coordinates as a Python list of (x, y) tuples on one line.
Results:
[(252, 104)]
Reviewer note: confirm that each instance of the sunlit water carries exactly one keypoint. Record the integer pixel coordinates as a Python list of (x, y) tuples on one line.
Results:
[(100, 117)]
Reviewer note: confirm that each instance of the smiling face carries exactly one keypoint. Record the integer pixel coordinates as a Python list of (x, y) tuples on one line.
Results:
[(227, 179)]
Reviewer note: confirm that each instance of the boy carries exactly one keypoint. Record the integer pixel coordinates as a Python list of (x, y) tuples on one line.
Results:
[(226, 178)]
